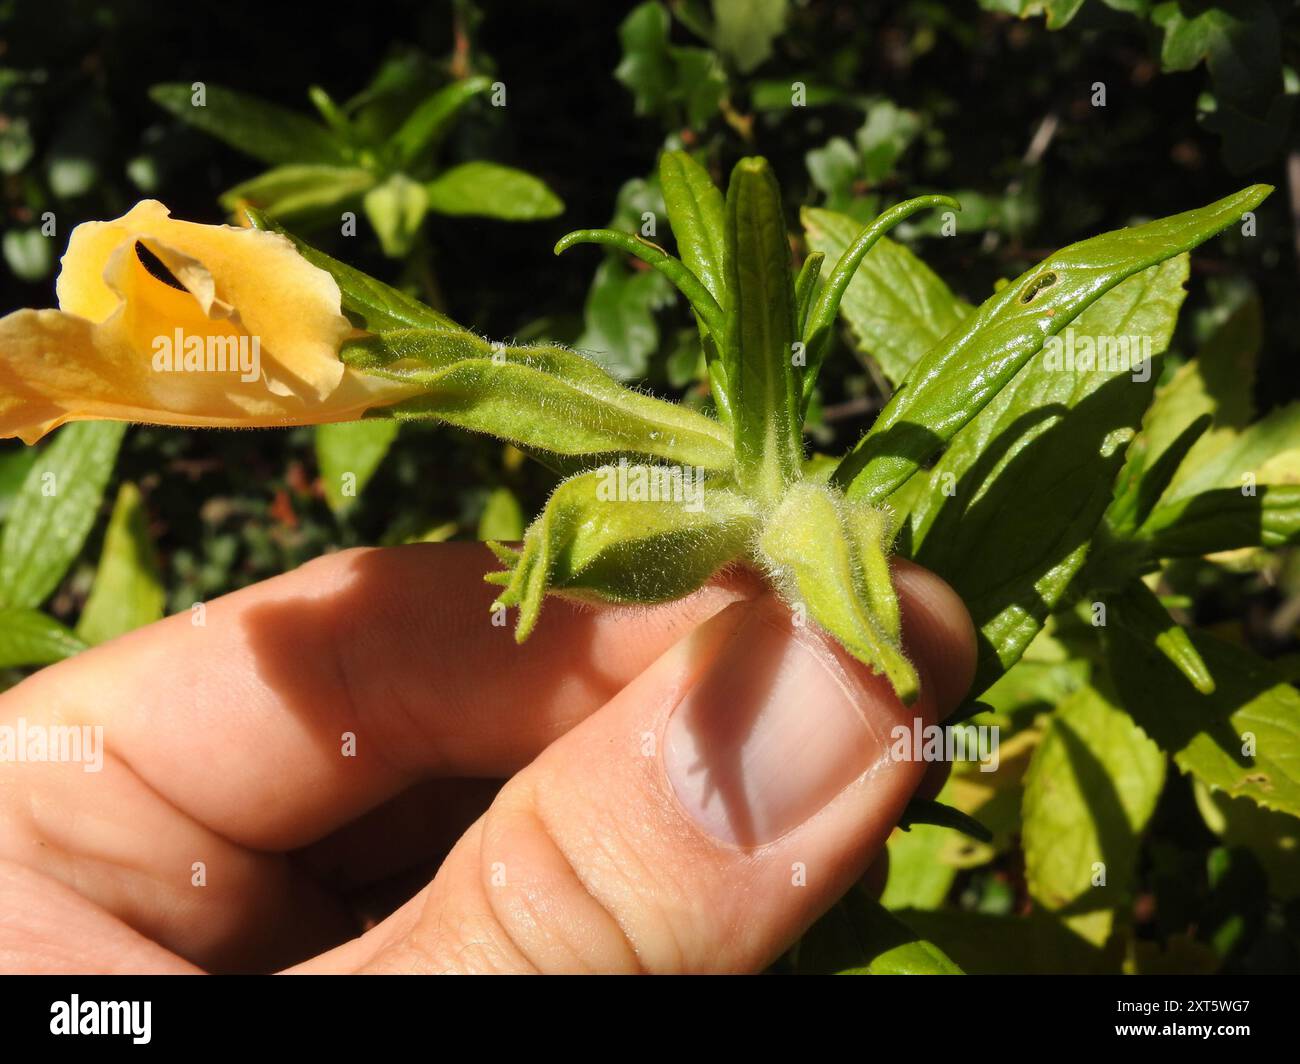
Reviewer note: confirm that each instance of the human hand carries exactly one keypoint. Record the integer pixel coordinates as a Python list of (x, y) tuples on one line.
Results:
[(666, 770)]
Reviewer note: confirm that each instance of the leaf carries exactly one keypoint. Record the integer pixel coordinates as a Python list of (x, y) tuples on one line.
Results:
[(29, 637), (1242, 453), (830, 554), (348, 454), (55, 509), (918, 878), (664, 79), (758, 352), (895, 305), (489, 190), (1007, 514), (621, 332), (821, 317), (626, 533), (1136, 610), (396, 208), (127, 592), (422, 128), (953, 382), (1212, 736), (858, 936), (745, 29), (1272, 838), (372, 304), (502, 517), (1092, 785), (14, 465), (263, 130), (540, 396), (300, 194), (705, 306), (697, 216), (1220, 520)]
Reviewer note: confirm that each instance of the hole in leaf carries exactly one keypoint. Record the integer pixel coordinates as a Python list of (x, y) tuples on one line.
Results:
[(1043, 280), (157, 268)]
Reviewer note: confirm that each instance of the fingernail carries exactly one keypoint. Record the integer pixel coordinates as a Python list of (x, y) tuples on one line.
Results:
[(770, 733)]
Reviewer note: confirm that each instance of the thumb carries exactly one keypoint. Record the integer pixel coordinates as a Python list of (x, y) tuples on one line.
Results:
[(706, 815)]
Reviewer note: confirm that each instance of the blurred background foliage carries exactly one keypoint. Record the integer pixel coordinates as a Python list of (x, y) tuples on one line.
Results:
[(858, 105)]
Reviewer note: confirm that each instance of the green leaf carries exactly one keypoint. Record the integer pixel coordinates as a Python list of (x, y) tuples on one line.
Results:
[(1239, 459), (831, 555), (1091, 787), (697, 216), (127, 592), (1007, 514), (308, 194), (626, 533), (492, 191), (29, 637), (55, 509), (29, 253), (758, 352), (1272, 838), (422, 128), (396, 208), (14, 465), (263, 130), (896, 307), (858, 936), (1223, 519), (745, 29), (502, 517), (657, 258), (1058, 12), (957, 379), (673, 82), (620, 331), (821, 317), (348, 454), (1244, 739), (371, 304), (540, 396), (1136, 610)]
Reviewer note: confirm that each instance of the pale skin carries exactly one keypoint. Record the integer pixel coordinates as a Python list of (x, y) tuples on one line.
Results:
[(225, 762)]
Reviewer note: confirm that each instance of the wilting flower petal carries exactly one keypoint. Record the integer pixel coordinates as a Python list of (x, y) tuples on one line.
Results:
[(247, 335)]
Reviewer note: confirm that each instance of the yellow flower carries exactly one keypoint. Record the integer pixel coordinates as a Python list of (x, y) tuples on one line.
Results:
[(247, 336)]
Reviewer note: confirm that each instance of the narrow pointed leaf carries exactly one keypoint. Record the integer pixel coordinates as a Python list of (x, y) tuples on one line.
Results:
[(957, 379), (304, 194), (424, 125), (1137, 611), (29, 637), (816, 332), (830, 554), (653, 255), (55, 509), (263, 130), (758, 352), (1008, 513), (128, 591), (805, 288), (896, 307), (698, 219), (603, 536), (540, 396)]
